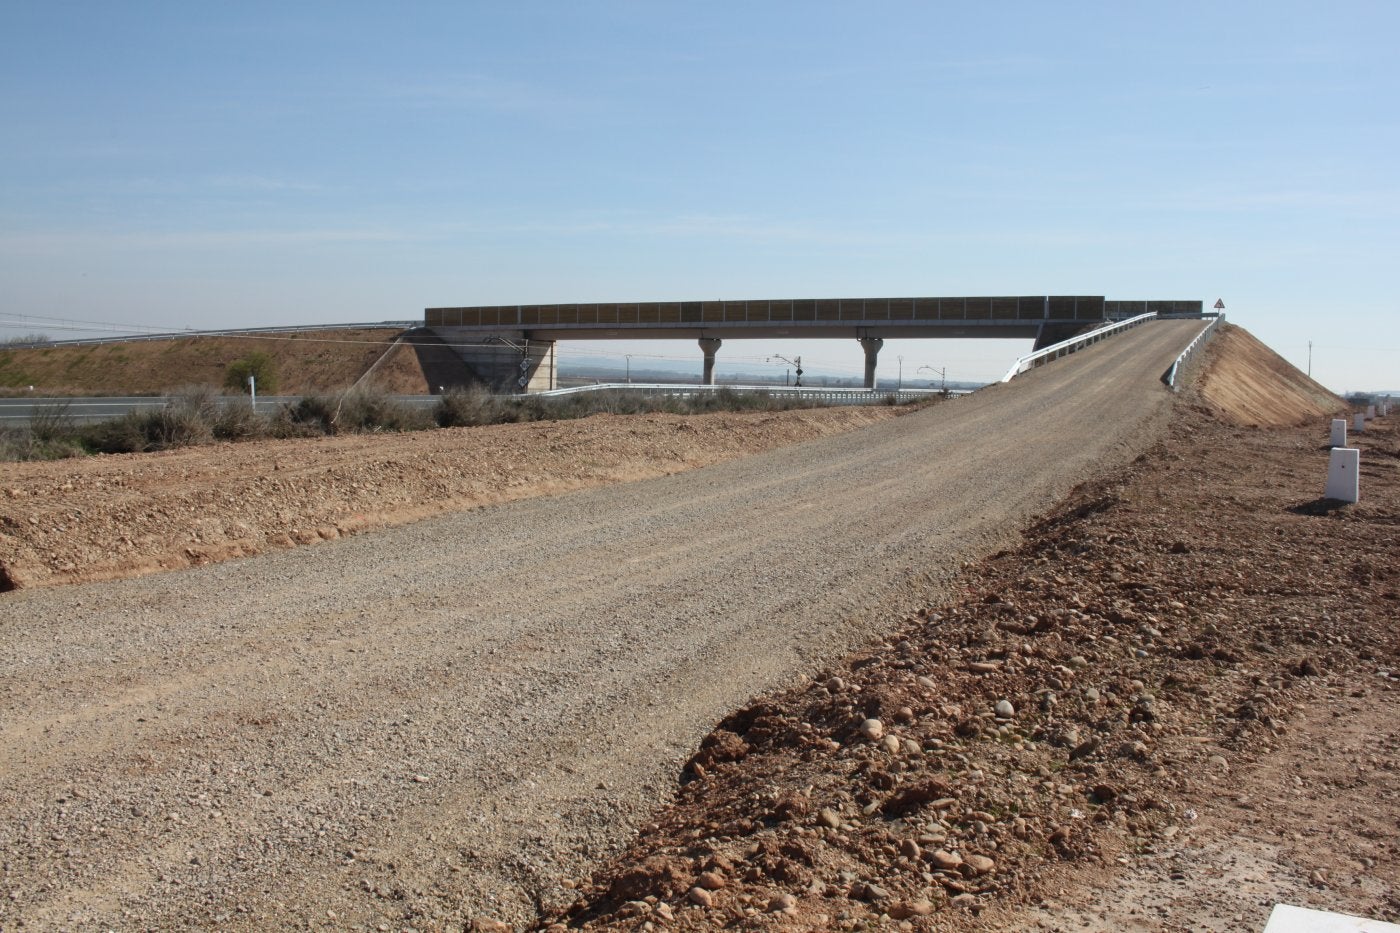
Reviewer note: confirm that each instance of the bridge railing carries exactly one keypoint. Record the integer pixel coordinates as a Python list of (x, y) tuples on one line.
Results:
[(1169, 377), (1066, 347), (989, 309)]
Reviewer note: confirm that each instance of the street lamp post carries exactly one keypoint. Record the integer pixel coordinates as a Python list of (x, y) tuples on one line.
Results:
[(942, 376), (795, 363)]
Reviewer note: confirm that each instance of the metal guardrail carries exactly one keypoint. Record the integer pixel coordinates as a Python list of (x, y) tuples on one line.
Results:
[(18, 412), (87, 410), (848, 396), (1065, 347), (228, 332), (1169, 377)]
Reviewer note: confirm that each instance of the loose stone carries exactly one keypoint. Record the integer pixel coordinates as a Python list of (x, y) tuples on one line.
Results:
[(710, 881), (945, 860), (980, 864)]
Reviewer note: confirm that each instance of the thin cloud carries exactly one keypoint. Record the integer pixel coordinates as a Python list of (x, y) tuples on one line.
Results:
[(61, 243)]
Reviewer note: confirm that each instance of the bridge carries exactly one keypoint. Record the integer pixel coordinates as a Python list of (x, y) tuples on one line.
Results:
[(511, 347)]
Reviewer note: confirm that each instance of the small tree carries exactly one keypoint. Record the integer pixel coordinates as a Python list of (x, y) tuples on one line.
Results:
[(256, 364)]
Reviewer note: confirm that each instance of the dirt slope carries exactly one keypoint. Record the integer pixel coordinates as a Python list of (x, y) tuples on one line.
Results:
[(310, 362), (1246, 383)]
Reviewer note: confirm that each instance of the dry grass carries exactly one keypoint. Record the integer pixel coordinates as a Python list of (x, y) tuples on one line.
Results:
[(318, 362)]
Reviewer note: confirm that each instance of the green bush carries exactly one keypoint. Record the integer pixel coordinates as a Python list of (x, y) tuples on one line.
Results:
[(256, 364)]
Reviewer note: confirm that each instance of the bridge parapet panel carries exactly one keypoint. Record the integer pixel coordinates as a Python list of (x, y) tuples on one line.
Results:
[(858, 312)]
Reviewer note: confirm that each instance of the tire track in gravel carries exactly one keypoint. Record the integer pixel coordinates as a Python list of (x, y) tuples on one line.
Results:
[(447, 719)]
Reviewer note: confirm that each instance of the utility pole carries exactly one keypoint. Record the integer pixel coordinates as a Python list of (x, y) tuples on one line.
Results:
[(942, 376)]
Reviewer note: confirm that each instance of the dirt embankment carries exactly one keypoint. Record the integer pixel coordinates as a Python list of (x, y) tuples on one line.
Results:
[(1175, 704), (118, 516), (1246, 383), (306, 363)]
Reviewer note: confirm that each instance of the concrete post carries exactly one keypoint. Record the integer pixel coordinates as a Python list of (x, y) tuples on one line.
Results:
[(709, 346), (1343, 479), (1339, 432), (1358, 422), (871, 346)]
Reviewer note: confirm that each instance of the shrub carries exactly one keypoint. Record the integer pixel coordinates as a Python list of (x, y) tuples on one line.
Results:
[(51, 423), (368, 410), (467, 408), (186, 420), (313, 414), (236, 422), (358, 411), (256, 364)]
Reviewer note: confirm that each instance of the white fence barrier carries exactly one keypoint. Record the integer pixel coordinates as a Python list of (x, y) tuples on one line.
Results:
[(1170, 376), (1066, 347)]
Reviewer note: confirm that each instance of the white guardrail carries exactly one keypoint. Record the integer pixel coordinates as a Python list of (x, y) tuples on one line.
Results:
[(1065, 347), (822, 394), (21, 410), (1169, 377)]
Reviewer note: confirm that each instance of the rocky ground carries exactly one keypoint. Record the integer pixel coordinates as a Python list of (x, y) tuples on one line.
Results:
[(1175, 704)]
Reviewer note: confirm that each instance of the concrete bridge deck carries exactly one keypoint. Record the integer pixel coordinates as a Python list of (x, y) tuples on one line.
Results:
[(511, 346)]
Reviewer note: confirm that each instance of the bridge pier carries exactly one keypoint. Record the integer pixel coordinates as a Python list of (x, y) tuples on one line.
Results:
[(871, 346), (709, 346)]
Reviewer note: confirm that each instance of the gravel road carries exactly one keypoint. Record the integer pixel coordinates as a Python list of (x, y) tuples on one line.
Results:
[(446, 720)]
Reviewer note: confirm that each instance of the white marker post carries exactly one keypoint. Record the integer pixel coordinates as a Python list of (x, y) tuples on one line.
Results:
[(253, 391), (1343, 474), (1358, 423), (1370, 413), (1339, 432)]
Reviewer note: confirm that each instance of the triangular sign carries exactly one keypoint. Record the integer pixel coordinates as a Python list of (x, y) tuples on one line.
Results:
[(1219, 304)]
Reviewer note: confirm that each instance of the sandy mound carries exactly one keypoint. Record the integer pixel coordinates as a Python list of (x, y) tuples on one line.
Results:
[(1246, 383)]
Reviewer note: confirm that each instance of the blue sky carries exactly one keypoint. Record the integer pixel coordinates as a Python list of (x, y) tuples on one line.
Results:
[(194, 164)]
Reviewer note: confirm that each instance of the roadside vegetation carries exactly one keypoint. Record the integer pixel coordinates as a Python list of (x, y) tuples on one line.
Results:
[(198, 415)]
